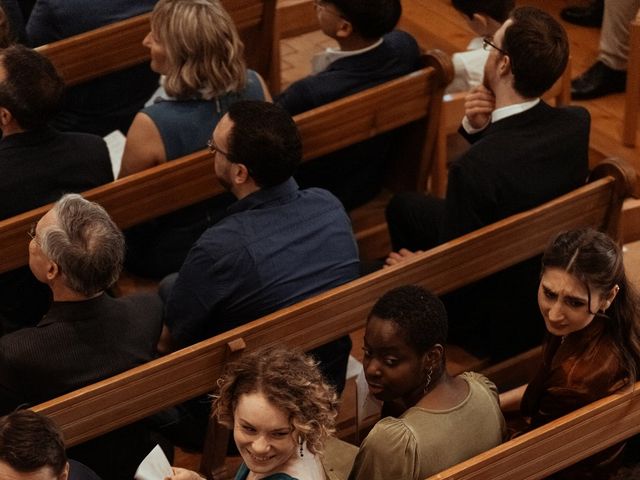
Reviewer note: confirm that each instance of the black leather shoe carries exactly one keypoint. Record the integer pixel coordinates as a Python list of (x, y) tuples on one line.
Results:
[(598, 81), (589, 16)]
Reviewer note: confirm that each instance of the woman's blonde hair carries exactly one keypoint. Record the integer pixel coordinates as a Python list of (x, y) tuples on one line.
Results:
[(291, 381), (204, 51)]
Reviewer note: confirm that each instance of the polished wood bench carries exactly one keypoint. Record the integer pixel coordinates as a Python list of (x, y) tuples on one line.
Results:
[(558, 444), (411, 101), (142, 391), (114, 47)]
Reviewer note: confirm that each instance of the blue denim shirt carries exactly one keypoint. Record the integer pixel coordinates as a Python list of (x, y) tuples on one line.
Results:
[(278, 246)]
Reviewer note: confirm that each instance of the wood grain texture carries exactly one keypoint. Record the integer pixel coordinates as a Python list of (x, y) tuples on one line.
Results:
[(132, 395), (410, 100), (114, 47)]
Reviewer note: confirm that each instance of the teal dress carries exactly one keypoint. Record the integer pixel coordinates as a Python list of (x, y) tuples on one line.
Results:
[(243, 472)]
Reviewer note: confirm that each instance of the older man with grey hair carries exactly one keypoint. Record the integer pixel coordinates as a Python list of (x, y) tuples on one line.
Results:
[(87, 335)]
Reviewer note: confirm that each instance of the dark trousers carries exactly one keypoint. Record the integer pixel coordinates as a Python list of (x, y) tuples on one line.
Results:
[(497, 316)]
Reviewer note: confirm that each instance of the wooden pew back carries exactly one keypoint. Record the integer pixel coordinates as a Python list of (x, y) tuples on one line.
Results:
[(114, 47), (132, 395), (173, 185), (558, 444)]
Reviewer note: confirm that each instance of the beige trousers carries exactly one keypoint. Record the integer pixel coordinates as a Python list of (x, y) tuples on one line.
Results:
[(614, 37)]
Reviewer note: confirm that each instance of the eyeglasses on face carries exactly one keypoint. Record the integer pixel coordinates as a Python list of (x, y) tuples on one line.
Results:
[(213, 148), (31, 233), (487, 43)]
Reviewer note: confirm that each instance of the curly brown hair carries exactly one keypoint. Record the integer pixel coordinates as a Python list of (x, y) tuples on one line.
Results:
[(291, 381)]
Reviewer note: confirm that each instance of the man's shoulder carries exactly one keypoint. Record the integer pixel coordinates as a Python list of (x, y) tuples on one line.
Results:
[(401, 39), (79, 140)]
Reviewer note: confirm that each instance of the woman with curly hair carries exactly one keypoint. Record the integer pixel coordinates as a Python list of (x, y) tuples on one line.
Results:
[(281, 410), (195, 47)]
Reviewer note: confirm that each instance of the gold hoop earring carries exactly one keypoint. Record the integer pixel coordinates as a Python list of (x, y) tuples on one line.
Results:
[(426, 386)]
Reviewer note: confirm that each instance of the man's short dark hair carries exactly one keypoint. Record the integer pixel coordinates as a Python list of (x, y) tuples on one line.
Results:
[(496, 9), (538, 49), (370, 18), (33, 88), (420, 316), (30, 441), (266, 140)]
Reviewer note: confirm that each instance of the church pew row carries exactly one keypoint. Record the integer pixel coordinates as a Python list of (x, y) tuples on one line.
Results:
[(411, 101), (137, 393), (114, 47), (632, 103), (558, 444)]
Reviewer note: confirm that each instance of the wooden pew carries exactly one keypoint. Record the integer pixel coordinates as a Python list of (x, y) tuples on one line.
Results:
[(452, 113), (558, 444), (132, 395), (632, 103), (114, 47), (412, 101)]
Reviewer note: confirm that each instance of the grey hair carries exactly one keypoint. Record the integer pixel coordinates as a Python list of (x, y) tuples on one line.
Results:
[(86, 244)]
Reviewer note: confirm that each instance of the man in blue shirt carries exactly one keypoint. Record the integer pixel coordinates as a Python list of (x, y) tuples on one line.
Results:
[(278, 245)]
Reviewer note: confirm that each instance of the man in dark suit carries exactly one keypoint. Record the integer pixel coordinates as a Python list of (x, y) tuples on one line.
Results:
[(86, 336), (523, 153), (38, 165)]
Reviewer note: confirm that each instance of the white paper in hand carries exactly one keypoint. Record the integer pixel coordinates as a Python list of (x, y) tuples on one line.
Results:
[(155, 466)]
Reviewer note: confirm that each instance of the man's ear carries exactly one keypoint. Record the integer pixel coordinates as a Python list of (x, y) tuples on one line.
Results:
[(5, 116), (345, 29), (504, 65), (53, 270), (241, 173)]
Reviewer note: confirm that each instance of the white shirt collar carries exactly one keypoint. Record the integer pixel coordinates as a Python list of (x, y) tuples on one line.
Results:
[(322, 60), (510, 110)]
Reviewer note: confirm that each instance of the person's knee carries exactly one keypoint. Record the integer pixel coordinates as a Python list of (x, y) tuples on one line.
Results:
[(399, 207)]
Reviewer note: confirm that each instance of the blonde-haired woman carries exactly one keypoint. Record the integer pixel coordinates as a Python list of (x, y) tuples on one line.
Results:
[(281, 411), (194, 45)]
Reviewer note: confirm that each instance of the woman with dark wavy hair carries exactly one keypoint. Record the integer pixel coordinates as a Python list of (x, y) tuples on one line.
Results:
[(281, 411), (592, 348)]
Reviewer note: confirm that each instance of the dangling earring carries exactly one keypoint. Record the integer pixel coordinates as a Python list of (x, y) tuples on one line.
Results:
[(426, 386), (301, 442)]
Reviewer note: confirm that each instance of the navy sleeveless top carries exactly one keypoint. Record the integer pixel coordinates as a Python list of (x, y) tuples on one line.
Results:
[(186, 125)]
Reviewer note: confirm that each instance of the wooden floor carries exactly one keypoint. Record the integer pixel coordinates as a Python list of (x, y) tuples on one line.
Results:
[(436, 24)]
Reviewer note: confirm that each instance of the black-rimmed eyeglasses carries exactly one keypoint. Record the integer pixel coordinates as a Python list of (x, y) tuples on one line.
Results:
[(487, 43), (213, 148)]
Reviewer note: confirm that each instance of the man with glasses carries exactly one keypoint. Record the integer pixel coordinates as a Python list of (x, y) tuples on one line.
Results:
[(38, 165), (77, 251), (523, 153), (278, 245)]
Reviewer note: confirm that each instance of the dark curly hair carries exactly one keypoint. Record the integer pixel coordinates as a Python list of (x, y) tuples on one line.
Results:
[(418, 313), (291, 381)]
